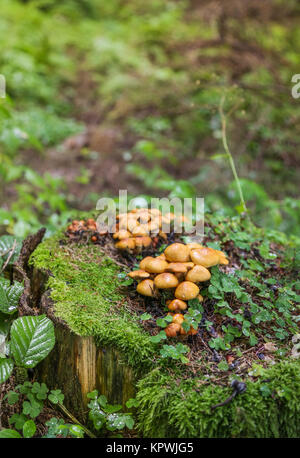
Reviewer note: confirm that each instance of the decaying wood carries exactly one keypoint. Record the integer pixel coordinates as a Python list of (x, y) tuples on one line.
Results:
[(77, 366), (21, 268)]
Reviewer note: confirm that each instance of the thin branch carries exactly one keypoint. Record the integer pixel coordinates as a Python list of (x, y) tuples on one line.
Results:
[(75, 421)]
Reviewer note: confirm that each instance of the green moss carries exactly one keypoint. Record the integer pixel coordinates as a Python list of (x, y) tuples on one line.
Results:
[(172, 401), (84, 288), (182, 408)]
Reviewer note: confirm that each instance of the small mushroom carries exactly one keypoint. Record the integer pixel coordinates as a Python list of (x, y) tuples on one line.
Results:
[(178, 318), (177, 267), (177, 252), (143, 242), (186, 291), (122, 235), (140, 231), (139, 274), (177, 304), (206, 257), (126, 244), (172, 329), (165, 280), (194, 245), (198, 274), (144, 261), (155, 266), (146, 288)]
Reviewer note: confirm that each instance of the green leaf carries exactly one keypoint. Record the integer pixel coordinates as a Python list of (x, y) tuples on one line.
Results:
[(40, 390), (6, 246), (76, 431), (9, 434), (32, 339), (145, 316), (6, 368), (132, 403), (18, 420), (223, 366), (56, 397), (9, 296), (29, 429), (12, 397)]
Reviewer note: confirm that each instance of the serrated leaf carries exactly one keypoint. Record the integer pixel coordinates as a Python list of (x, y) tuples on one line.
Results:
[(32, 339), (6, 368), (7, 244), (9, 296)]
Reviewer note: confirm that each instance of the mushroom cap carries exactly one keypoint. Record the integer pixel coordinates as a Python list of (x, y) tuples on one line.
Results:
[(188, 265), (177, 267), (172, 329), (139, 274), (186, 291), (161, 256), (140, 230), (165, 280), (123, 234), (178, 318), (194, 245), (197, 274), (126, 244), (206, 257), (177, 304), (144, 262), (155, 266), (141, 242), (192, 331), (146, 288), (177, 252), (200, 298)]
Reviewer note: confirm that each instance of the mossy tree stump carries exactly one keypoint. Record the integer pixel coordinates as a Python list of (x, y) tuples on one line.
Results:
[(101, 343)]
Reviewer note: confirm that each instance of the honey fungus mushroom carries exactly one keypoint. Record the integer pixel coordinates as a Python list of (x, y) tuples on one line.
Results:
[(177, 252), (198, 274), (186, 291), (146, 288), (139, 274), (206, 257), (165, 280), (176, 305)]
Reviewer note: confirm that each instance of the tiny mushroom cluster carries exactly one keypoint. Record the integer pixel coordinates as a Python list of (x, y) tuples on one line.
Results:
[(181, 267), (141, 228), (88, 226)]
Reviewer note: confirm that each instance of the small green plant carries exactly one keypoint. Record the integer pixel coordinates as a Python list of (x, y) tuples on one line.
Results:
[(32, 397), (24, 341), (105, 416)]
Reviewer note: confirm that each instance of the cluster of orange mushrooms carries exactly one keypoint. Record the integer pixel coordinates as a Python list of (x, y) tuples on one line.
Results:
[(141, 228), (135, 230), (181, 267)]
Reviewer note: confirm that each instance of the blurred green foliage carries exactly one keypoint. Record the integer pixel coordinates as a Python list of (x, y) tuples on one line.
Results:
[(158, 70)]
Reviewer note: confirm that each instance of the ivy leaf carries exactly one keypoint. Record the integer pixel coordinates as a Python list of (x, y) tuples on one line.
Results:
[(6, 368), (29, 429), (32, 339)]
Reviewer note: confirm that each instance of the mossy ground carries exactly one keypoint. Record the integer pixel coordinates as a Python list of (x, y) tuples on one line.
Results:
[(85, 289), (176, 400)]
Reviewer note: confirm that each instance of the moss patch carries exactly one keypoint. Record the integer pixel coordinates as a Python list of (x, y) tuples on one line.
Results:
[(84, 288), (171, 407)]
